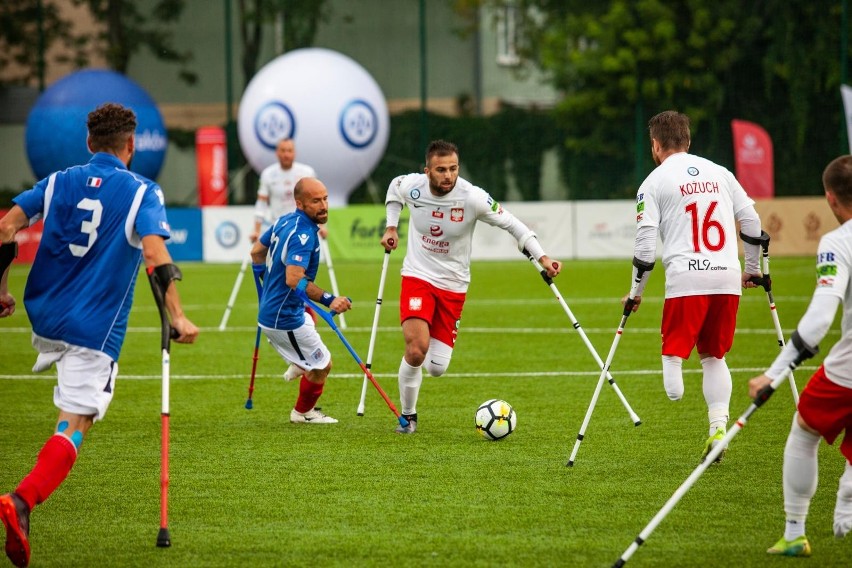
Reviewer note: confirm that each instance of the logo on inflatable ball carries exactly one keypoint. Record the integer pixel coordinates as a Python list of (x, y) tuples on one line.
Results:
[(329, 105), (56, 126)]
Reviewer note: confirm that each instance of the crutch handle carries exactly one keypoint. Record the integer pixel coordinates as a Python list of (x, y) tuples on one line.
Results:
[(764, 281)]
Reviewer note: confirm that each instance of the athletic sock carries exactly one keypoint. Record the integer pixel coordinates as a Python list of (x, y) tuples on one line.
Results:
[(717, 392), (54, 462), (410, 379), (309, 393), (673, 376), (800, 477)]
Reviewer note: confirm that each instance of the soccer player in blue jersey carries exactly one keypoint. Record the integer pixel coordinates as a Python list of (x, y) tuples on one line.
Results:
[(100, 222), (288, 255)]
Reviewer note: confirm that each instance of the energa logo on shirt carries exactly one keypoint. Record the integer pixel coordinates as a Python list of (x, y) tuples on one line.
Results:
[(303, 238)]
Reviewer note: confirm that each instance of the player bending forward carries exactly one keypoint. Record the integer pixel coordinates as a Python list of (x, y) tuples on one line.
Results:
[(825, 406), (436, 270)]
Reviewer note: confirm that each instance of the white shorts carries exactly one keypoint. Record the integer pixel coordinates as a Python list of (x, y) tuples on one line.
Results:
[(86, 377), (301, 346)]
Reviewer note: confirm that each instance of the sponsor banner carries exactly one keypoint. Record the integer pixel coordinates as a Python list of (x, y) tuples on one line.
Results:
[(753, 159), (226, 232), (795, 224), (186, 240), (551, 221), (355, 232), (567, 230), (605, 229)]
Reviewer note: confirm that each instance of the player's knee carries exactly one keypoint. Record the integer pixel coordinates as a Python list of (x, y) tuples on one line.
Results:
[(438, 358)]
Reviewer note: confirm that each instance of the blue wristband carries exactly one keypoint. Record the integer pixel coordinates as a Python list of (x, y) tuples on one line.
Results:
[(326, 299)]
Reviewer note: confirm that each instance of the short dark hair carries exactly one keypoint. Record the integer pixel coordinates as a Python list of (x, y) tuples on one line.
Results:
[(671, 129), (837, 178), (110, 125), (440, 148)]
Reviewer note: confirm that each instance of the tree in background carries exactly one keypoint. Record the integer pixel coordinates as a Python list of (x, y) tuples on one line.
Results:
[(28, 29), (127, 29), (618, 62), (296, 20)]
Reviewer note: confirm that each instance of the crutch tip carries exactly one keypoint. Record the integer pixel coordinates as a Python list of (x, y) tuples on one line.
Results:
[(360, 414), (163, 538), (570, 463), (249, 404), (637, 422)]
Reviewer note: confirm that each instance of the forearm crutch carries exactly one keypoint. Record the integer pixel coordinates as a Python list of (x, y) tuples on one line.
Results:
[(234, 291), (804, 352), (160, 277), (549, 281), (641, 268), (326, 254), (375, 329), (766, 282), (259, 286), (329, 319)]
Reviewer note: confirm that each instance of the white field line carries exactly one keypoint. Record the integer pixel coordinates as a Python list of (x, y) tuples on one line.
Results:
[(486, 330), (570, 374)]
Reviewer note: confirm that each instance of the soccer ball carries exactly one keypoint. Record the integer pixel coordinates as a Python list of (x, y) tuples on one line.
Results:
[(495, 419)]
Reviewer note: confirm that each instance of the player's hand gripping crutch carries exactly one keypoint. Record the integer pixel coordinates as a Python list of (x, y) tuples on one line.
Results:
[(375, 329), (329, 319), (160, 277), (549, 281), (641, 268), (326, 254), (766, 282), (804, 352), (258, 283)]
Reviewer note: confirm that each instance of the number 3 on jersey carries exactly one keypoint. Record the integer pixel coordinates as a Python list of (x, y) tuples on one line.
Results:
[(88, 227), (701, 232)]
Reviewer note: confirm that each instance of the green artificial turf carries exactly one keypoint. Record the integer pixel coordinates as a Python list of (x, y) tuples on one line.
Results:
[(249, 488)]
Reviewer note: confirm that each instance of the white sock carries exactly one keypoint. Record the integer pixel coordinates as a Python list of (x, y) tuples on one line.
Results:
[(717, 392), (410, 379), (800, 477), (673, 376), (843, 507)]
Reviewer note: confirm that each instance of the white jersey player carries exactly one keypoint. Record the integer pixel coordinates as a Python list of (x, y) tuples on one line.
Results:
[(275, 192), (825, 406), (444, 210), (693, 205)]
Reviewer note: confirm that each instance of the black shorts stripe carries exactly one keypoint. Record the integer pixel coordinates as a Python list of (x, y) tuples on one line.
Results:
[(295, 345)]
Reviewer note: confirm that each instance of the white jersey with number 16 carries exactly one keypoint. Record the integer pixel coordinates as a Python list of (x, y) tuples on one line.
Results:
[(692, 203)]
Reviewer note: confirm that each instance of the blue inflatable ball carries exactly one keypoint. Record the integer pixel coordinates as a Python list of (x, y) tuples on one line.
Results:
[(56, 125)]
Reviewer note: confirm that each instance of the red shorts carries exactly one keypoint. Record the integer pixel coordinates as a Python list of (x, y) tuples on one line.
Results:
[(827, 408), (707, 322), (441, 309)]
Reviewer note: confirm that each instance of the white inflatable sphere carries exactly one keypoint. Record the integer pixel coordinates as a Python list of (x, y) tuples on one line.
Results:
[(332, 108)]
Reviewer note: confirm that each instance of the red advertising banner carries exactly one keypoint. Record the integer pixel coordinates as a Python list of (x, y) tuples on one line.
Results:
[(211, 160), (28, 241), (753, 158)]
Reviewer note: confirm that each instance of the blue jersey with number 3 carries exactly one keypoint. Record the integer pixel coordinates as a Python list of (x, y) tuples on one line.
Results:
[(80, 287)]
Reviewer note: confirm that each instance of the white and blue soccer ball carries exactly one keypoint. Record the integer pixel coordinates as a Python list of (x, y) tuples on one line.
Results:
[(495, 419)]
